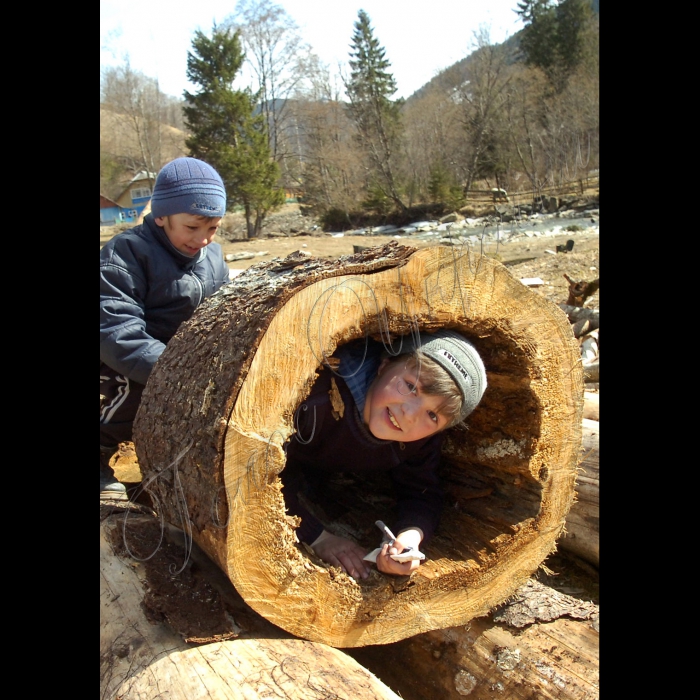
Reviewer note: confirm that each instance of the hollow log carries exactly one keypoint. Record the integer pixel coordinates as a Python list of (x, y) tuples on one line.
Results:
[(582, 536), (220, 404)]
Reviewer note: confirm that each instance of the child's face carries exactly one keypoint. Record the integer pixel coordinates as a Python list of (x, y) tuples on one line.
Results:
[(397, 409), (189, 233)]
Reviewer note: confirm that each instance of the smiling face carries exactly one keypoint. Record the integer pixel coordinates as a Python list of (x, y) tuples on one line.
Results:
[(189, 233), (396, 407)]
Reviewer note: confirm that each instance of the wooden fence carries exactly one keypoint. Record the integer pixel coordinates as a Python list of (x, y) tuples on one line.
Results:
[(573, 187)]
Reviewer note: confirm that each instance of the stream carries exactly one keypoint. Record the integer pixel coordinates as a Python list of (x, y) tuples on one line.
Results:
[(534, 225)]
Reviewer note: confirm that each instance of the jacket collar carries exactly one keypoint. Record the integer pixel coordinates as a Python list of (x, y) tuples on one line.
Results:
[(159, 234)]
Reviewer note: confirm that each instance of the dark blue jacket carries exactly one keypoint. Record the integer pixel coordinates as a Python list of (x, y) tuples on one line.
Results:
[(325, 445), (147, 289)]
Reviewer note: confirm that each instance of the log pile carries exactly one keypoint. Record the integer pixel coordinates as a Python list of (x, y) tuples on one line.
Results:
[(585, 324), (189, 634), (582, 524), (220, 405)]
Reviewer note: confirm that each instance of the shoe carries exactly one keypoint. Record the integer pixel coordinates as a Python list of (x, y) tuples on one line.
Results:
[(110, 488)]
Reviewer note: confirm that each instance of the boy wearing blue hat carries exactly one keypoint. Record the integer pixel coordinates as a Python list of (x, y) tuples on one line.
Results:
[(369, 411), (152, 278)]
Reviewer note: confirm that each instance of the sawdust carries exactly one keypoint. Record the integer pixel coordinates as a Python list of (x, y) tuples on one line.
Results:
[(185, 589)]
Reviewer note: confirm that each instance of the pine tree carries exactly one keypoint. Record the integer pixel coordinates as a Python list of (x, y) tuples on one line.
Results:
[(553, 37), (376, 116), (225, 129), (443, 189)]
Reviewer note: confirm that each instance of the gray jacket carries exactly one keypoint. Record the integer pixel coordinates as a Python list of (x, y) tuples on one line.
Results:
[(147, 289)]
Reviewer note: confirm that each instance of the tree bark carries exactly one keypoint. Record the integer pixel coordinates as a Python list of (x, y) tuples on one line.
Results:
[(220, 405)]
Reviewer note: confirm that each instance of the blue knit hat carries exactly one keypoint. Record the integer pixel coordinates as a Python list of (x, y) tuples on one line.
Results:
[(188, 186)]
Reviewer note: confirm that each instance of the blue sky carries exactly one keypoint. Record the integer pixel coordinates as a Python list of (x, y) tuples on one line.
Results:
[(421, 37)]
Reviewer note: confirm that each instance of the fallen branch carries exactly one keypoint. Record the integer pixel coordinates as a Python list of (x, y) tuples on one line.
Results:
[(580, 291)]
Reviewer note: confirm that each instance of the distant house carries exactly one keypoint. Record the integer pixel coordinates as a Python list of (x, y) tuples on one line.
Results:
[(109, 211), (130, 203)]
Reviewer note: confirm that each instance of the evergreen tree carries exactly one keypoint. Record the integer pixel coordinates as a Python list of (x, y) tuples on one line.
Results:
[(376, 116), (225, 130), (443, 188), (553, 37)]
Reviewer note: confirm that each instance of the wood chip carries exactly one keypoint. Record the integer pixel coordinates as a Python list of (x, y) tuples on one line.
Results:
[(336, 400)]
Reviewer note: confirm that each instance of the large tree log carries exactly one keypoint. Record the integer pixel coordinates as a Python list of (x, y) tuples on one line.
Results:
[(542, 644), (220, 405), (142, 658), (257, 668), (582, 536)]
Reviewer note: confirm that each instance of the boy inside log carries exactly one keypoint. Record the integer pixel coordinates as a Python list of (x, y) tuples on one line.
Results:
[(152, 278), (382, 409)]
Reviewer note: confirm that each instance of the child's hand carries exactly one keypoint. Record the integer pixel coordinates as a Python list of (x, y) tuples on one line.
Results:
[(385, 564), (343, 553)]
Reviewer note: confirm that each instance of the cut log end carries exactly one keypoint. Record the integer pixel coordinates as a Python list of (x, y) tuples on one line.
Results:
[(211, 432)]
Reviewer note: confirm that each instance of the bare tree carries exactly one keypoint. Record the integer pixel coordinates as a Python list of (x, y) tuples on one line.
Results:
[(570, 119), (433, 138), (131, 93), (274, 52), (332, 167), (522, 107), (483, 96)]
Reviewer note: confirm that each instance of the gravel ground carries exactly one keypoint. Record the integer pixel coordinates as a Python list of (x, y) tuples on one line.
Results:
[(527, 256)]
